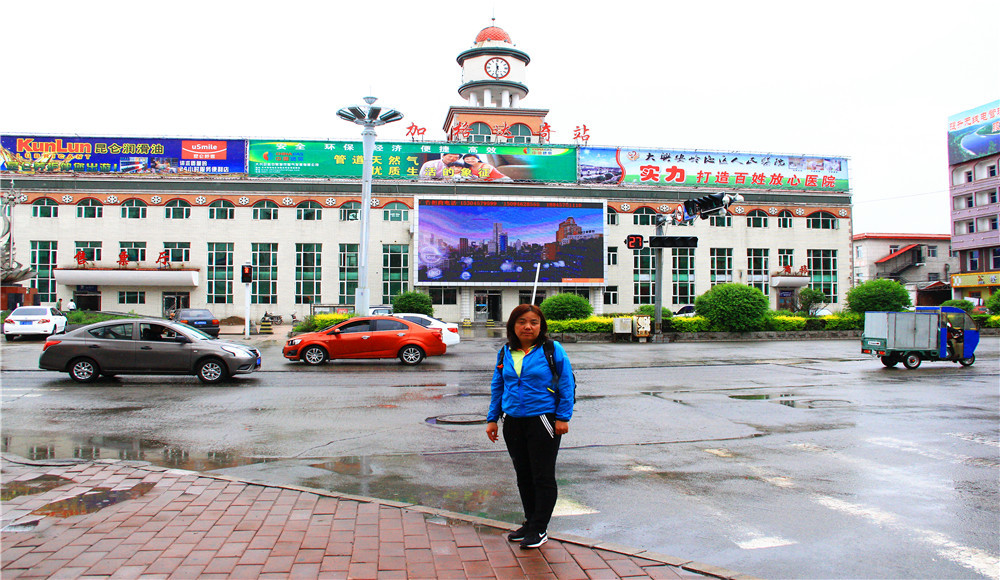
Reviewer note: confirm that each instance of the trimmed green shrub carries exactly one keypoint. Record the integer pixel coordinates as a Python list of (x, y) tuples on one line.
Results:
[(993, 321), (878, 295), (687, 324), (845, 321), (413, 302), (565, 306), (591, 324), (815, 324), (733, 307), (785, 323), (809, 297), (993, 302), (965, 305), (650, 310), (320, 321)]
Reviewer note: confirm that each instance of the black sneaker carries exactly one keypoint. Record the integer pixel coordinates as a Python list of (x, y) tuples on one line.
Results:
[(533, 540), (518, 534)]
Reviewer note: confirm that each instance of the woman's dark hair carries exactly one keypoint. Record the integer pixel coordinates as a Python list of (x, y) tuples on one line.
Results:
[(471, 155), (518, 312)]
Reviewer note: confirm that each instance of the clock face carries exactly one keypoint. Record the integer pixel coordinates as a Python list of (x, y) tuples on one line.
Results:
[(497, 68)]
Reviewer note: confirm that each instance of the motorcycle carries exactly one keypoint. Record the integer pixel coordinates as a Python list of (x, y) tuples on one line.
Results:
[(274, 319)]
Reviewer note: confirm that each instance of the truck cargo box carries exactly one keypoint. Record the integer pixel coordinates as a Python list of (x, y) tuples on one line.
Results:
[(903, 330)]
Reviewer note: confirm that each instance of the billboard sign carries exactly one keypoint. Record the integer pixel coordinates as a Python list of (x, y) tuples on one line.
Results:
[(974, 133), (43, 154), (502, 242), (414, 161), (711, 169)]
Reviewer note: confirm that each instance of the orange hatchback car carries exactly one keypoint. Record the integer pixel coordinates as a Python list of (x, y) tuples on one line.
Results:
[(367, 337)]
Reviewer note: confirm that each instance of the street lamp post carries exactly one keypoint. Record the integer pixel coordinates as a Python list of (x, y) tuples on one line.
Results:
[(368, 116)]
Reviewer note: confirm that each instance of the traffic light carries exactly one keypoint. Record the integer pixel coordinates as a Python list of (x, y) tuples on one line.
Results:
[(673, 241), (246, 274), (634, 242), (707, 204)]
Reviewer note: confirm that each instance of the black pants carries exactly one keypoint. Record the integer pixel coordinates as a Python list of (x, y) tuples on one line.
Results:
[(533, 446)]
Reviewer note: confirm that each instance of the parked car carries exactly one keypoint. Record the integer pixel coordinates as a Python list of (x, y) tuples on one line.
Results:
[(145, 346), (199, 318), (979, 310), (34, 321), (380, 310), (367, 337), (449, 330), (685, 311)]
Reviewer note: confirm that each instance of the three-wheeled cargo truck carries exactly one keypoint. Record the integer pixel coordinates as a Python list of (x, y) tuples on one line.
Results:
[(927, 333)]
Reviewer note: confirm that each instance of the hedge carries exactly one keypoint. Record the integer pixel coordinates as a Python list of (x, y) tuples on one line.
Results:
[(591, 324)]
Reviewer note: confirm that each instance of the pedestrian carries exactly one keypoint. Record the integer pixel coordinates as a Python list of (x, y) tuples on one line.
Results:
[(59, 304), (71, 306), (535, 405)]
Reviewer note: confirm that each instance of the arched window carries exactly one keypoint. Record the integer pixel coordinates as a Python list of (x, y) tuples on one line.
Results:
[(44, 208), (89, 208), (133, 209), (221, 209), (520, 133), (612, 216), (643, 217), (480, 133), (785, 219), (757, 219), (396, 212), (177, 209), (265, 210), (822, 220), (350, 211), (309, 211)]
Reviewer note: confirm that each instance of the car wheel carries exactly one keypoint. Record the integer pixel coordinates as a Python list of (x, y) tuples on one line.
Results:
[(212, 371), (911, 360), (314, 355), (411, 354), (84, 370), (965, 362), (890, 361)]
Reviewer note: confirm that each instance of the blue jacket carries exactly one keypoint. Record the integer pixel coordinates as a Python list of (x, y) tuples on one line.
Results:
[(531, 394)]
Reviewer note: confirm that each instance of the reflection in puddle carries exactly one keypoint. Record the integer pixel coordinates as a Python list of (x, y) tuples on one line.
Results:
[(40, 484), (92, 501), (789, 400)]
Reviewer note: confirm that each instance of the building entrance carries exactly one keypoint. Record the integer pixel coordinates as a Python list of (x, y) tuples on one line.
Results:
[(487, 306), (174, 300), (87, 298)]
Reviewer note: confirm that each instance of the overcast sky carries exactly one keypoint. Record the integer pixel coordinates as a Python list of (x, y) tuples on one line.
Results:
[(868, 80)]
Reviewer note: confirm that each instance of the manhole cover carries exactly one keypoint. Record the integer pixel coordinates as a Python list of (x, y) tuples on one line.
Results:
[(458, 419)]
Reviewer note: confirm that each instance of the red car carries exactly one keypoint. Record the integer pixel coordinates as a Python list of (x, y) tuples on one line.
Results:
[(367, 337)]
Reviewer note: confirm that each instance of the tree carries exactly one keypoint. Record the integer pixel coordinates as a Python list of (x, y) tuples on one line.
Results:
[(965, 305), (878, 295), (993, 302), (414, 302), (733, 307), (809, 297), (565, 306)]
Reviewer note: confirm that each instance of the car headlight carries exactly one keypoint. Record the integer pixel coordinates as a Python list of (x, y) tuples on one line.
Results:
[(294, 341), (236, 351)]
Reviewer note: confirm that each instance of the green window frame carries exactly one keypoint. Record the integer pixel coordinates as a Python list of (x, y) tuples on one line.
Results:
[(264, 259), (219, 273), (308, 273), (44, 208), (395, 270), (347, 272), (43, 262), (643, 276)]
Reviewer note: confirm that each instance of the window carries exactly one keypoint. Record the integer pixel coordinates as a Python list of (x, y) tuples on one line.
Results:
[(91, 251), (308, 273), (991, 170), (643, 273), (757, 219), (44, 208), (350, 212), (219, 273), (973, 261), (682, 275), (133, 209), (395, 270), (786, 257), (968, 176), (178, 251), (129, 297), (396, 212), (611, 294), (995, 259), (932, 251), (970, 201), (993, 223), (612, 256), (644, 217), (347, 272), (721, 262), (859, 252), (612, 217), (757, 269), (785, 219), (309, 211), (720, 221), (823, 272), (992, 196), (220, 209), (893, 248), (933, 276), (136, 250), (113, 332), (177, 209), (520, 133), (43, 261), (480, 133), (264, 288), (822, 220), (89, 208), (443, 296), (265, 210)]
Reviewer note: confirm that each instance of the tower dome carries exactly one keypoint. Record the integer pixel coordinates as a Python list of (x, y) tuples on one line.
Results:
[(493, 33)]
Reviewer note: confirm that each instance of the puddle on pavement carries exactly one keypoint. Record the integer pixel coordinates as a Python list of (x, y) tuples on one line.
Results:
[(458, 419), (790, 400), (92, 501), (40, 484)]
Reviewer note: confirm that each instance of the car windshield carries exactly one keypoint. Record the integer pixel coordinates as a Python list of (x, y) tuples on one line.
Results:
[(194, 314), (194, 333), (30, 311)]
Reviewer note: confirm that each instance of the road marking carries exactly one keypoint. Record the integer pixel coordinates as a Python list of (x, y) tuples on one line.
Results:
[(764, 542), (569, 507), (955, 458), (975, 439)]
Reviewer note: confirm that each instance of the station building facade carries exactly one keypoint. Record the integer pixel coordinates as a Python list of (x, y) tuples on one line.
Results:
[(144, 225)]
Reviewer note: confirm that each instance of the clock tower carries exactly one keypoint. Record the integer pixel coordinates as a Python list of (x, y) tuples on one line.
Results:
[(493, 86)]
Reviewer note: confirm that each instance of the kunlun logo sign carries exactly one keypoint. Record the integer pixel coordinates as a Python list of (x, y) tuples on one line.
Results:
[(203, 150)]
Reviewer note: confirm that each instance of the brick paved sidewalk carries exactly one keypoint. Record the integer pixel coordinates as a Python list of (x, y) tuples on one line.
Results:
[(129, 519)]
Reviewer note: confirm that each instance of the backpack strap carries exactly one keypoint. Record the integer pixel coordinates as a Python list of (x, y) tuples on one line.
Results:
[(549, 348), (500, 357)]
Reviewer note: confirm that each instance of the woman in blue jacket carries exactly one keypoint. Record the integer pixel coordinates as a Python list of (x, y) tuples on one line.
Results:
[(536, 405)]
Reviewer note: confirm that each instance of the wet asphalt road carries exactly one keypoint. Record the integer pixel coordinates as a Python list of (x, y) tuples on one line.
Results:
[(777, 459)]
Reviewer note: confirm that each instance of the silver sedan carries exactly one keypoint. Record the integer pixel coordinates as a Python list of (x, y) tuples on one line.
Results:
[(145, 346)]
